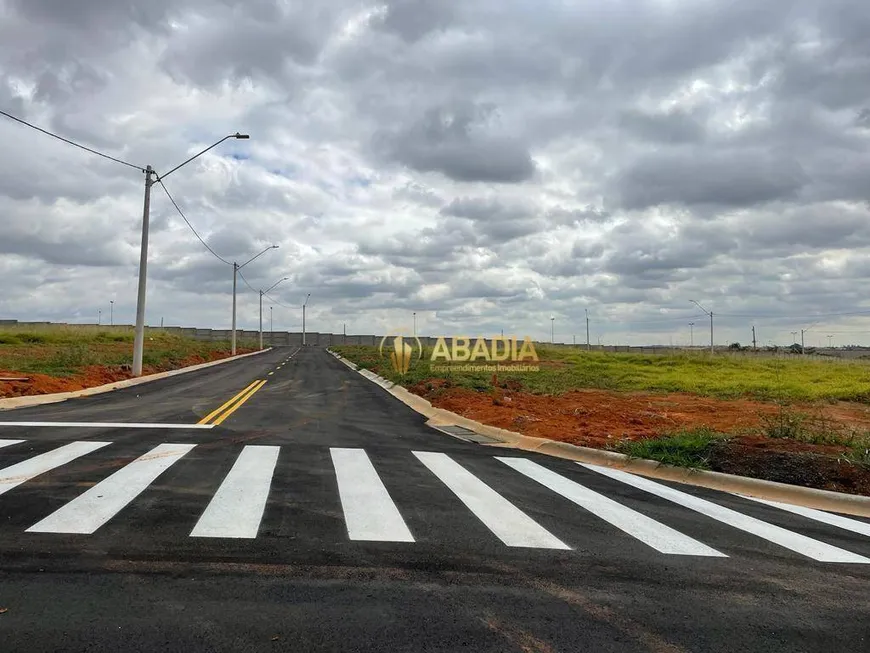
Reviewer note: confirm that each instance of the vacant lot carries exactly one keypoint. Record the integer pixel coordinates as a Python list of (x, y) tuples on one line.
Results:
[(793, 420), (63, 358)]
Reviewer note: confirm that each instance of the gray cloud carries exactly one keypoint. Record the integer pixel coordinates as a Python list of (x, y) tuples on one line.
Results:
[(449, 141), (485, 164)]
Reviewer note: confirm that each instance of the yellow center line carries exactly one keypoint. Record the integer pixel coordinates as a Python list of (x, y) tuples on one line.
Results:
[(225, 405), (234, 408)]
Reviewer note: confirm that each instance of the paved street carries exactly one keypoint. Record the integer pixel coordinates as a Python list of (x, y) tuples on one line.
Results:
[(284, 502)]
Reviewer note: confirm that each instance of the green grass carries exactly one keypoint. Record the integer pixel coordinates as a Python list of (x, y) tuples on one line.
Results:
[(724, 376), (689, 448), (66, 350)]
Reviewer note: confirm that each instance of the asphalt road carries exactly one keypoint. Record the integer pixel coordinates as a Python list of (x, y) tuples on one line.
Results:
[(321, 514)]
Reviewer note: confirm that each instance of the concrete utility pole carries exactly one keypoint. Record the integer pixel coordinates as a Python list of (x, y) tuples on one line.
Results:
[(303, 318), (710, 313), (271, 328), (236, 268), (552, 330), (263, 292), (111, 312), (99, 317), (139, 333), (588, 346), (691, 334), (415, 324), (753, 338)]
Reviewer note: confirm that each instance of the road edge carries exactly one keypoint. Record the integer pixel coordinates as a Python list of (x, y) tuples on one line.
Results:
[(840, 502), (11, 403)]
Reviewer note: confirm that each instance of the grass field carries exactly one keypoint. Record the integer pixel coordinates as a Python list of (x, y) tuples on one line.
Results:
[(63, 351), (723, 376)]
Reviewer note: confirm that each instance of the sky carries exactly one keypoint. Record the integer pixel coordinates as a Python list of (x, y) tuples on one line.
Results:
[(490, 165)]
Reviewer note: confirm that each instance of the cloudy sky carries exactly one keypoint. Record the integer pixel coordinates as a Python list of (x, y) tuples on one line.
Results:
[(489, 164)]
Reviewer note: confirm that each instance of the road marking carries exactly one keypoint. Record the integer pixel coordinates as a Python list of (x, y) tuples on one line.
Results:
[(798, 543), (226, 404), (271, 373), (87, 512), (8, 443), (510, 524), (108, 425), (15, 475), (652, 533), (369, 512), (237, 507), (839, 521), (241, 401)]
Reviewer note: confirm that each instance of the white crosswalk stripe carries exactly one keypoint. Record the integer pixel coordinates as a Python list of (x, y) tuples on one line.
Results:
[(510, 524), (798, 543), (87, 512), (660, 537), (369, 512), (237, 507), (15, 475), (862, 528)]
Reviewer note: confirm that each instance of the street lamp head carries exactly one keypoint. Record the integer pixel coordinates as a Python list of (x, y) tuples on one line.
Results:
[(241, 136), (275, 246)]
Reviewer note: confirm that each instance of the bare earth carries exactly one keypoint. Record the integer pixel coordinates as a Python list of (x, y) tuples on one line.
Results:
[(599, 419)]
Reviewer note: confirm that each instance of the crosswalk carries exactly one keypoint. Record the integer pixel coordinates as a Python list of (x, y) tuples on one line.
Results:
[(246, 492)]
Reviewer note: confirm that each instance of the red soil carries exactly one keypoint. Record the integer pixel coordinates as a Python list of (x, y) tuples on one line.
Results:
[(91, 376), (597, 418)]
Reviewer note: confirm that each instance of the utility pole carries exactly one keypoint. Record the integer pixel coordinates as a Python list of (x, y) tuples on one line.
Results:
[(111, 312), (588, 347), (271, 328), (574, 339), (691, 334), (303, 318), (99, 316), (263, 292), (552, 330), (139, 332), (794, 337), (710, 313), (233, 335), (830, 341), (753, 338), (415, 324)]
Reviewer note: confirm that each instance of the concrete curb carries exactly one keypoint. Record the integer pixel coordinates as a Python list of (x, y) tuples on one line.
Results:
[(772, 491), (38, 400)]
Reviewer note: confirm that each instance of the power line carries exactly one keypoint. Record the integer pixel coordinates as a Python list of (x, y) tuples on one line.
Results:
[(246, 281), (793, 317), (66, 140), (205, 244), (272, 299)]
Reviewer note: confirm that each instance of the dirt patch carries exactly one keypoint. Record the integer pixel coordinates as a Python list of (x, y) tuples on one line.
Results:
[(595, 418), (797, 468), (92, 376), (600, 419)]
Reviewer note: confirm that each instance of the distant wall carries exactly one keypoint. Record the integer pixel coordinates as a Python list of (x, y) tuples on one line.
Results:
[(316, 339)]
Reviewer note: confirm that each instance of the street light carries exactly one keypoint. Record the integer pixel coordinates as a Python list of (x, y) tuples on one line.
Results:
[(99, 316), (263, 292), (552, 330), (236, 268), (803, 331), (415, 324), (271, 328), (794, 337), (111, 312), (691, 334), (139, 335), (710, 313), (304, 304)]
